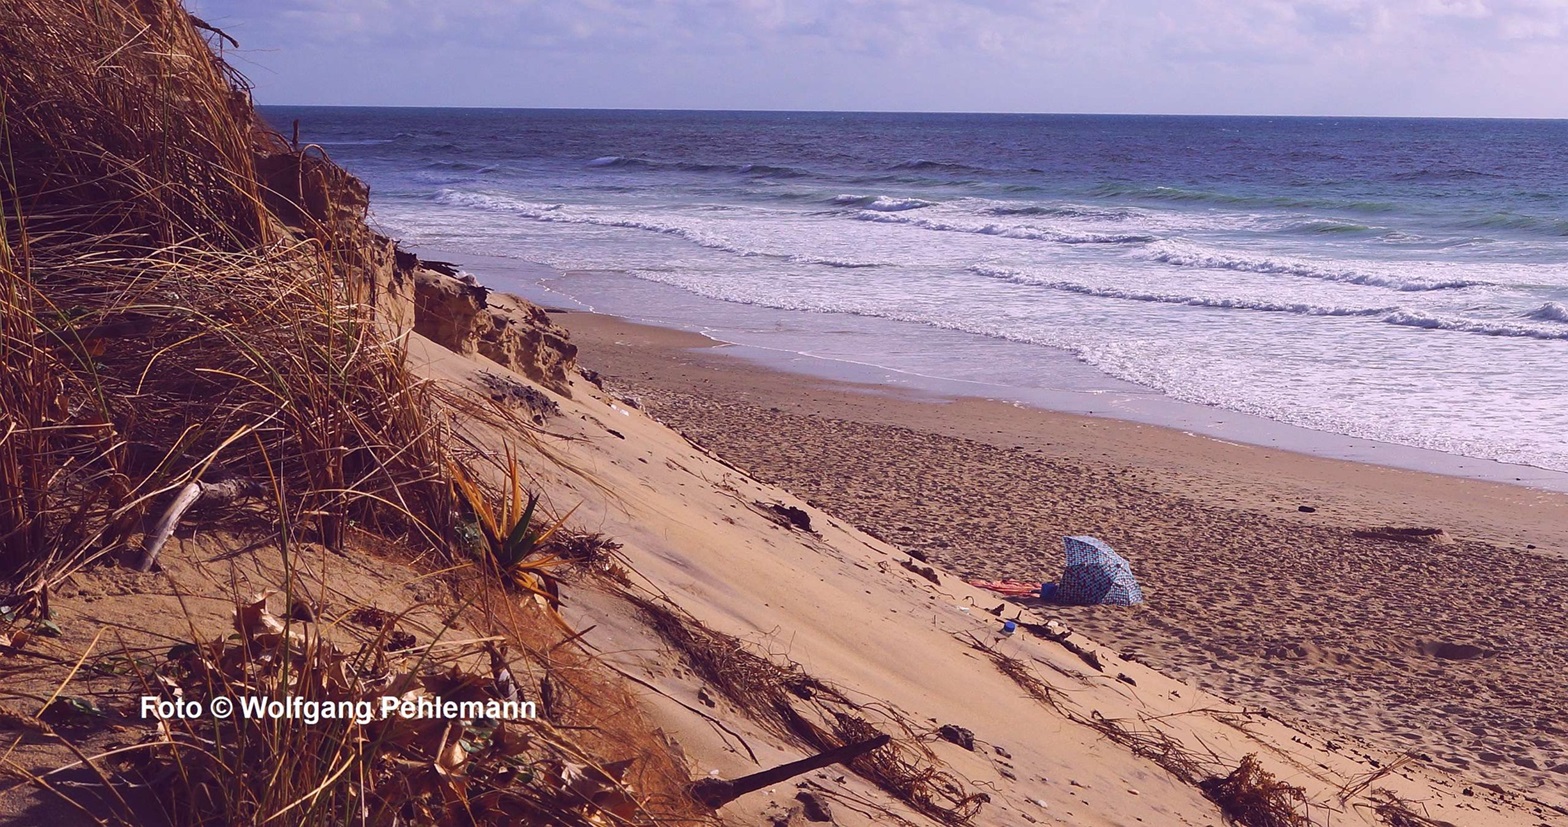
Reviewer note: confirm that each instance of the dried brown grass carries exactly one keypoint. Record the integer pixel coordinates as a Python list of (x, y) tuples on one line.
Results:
[(242, 769), (184, 296), (581, 706), (1251, 796), (121, 122), (158, 321)]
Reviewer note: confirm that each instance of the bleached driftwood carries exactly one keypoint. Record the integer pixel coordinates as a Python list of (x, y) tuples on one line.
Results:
[(219, 492), (716, 792)]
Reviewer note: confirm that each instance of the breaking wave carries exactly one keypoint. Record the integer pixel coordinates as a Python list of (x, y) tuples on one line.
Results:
[(560, 214), (1389, 315), (1220, 302), (1184, 254), (881, 203), (1428, 321), (1064, 211), (1549, 312), (1517, 221), (1023, 231), (1329, 226)]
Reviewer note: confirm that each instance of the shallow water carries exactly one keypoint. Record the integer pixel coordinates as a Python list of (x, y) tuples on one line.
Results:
[(1402, 281)]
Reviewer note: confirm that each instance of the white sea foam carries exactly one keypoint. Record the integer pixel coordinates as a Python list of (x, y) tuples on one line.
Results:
[(1429, 321), (1549, 312), (882, 203), (1187, 254), (1405, 317), (1220, 302), (1031, 232), (1385, 317), (696, 231)]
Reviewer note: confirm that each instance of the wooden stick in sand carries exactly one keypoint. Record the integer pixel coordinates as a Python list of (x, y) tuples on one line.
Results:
[(716, 792), (222, 492)]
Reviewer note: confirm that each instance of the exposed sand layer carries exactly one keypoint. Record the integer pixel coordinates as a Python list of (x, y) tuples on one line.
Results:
[(1446, 646)]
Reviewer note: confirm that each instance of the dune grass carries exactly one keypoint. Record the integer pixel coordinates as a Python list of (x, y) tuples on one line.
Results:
[(162, 321), (187, 297)]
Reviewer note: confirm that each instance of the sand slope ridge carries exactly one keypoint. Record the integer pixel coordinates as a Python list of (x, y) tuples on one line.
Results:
[(762, 628)]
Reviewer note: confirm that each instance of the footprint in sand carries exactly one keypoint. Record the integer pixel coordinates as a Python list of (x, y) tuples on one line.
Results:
[(1306, 651), (1444, 650)]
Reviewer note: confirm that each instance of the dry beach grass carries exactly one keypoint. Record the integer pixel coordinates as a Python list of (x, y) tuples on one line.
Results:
[(188, 301)]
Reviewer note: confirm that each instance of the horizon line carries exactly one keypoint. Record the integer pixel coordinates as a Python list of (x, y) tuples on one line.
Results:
[(695, 110)]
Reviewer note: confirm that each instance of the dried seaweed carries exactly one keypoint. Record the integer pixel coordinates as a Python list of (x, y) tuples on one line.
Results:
[(1157, 746), (1253, 797), (1247, 795), (1019, 673), (1396, 812)]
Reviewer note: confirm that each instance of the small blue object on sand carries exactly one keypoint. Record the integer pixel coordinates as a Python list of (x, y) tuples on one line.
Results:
[(1009, 627)]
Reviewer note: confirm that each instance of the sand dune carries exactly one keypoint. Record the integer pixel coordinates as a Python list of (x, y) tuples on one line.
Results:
[(1440, 646)]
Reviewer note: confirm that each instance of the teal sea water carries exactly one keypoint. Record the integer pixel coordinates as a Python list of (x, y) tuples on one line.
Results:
[(1397, 280)]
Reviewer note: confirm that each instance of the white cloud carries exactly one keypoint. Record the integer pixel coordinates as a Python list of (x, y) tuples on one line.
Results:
[(1360, 56)]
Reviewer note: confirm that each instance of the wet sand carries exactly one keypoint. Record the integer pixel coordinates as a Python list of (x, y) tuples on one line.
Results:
[(1448, 649)]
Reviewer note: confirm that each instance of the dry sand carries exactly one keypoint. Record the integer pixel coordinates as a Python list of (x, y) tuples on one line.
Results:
[(1449, 650), (1065, 732)]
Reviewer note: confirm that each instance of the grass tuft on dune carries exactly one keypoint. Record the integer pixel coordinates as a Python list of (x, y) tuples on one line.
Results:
[(192, 307)]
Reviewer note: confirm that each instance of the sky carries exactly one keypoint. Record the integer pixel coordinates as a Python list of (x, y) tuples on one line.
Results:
[(1454, 58)]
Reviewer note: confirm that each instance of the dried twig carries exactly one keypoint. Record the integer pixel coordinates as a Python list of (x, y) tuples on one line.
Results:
[(195, 491), (716, 792), (804, 710)]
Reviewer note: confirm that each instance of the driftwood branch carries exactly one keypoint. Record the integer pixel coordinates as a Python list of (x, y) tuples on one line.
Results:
[(204, 25), (1064, 637), (714, 793), (218, 492)]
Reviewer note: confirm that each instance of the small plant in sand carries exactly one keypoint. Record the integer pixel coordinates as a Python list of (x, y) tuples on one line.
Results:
[(509, 538)]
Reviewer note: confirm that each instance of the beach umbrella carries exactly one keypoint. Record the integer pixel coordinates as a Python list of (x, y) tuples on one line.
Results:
[(1096, 574)]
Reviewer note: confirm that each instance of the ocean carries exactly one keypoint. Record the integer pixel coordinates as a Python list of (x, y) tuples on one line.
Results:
[(1401, 281)]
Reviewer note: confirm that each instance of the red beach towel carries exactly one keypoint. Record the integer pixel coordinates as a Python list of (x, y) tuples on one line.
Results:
[(1011, 588)]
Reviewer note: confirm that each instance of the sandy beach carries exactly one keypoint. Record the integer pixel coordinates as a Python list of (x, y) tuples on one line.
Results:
[(300, 526), (1270, 577)]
